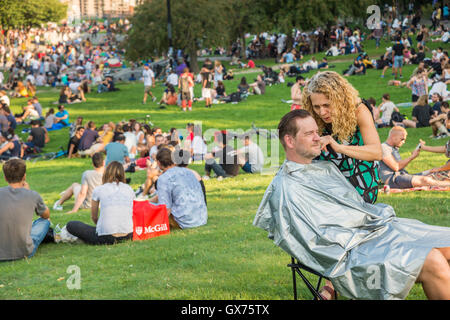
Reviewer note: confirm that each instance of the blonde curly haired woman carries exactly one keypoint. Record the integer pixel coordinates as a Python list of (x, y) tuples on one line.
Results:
[(348, 134)]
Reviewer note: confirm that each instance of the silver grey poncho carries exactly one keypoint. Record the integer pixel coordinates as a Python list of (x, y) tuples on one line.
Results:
[(314, 214)]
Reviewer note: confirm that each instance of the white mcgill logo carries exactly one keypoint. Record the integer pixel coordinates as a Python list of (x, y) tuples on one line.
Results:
[(150, 229)]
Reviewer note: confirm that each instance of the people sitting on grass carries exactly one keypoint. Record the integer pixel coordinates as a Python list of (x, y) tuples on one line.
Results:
[(66, 96), (88, 139), (357, 68), (10, 145), (243, 88), (4, 123), (251, 157), (228, 165), (220, 91), (28, 114), (392, 166), (107, 85), (20, 236), (169, 96), (365, 250), (386, 108), (118, 152), (74, 143), (38, 137), (259, 86), (421, 115), (181, 192), (115, 223), (62, 116), (439, 122), (4, 98), (82, 193), (11, 119)]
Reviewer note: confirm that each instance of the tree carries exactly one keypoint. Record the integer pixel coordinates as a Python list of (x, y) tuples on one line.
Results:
[(29, 13), (246, 16), (195, 24)]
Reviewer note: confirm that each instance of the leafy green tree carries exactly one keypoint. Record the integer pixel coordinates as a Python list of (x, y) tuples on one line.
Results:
[(195, 24), (245, 16), (28, 13)]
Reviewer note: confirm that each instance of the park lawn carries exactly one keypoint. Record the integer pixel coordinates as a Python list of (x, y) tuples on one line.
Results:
[(226, 259)]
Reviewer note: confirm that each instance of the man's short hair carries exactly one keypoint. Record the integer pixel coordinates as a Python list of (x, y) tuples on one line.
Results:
[(299, 78), (438, 96), (372, 101), (397, 129), (288, 125), (164, 156), (14, 170), (386, 96), (120, 137), (97, 159)]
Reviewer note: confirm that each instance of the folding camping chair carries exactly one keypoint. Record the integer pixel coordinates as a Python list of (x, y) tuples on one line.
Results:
[(296, 267)]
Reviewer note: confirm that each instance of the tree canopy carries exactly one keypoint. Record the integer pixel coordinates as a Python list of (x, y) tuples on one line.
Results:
[(195, 23), (29, 13)]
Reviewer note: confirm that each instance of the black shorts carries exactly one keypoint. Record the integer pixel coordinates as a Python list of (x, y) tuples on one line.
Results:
[(400, 181)]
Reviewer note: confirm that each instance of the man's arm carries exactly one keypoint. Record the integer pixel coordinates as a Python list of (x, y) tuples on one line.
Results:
[(47, 138), (81, 197), (72, 146), (46, 214), (8, 146), (399, 165), (94, 210), (437, 149)]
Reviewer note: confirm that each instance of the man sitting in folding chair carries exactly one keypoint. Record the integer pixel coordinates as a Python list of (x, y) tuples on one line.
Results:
[(313, 213)]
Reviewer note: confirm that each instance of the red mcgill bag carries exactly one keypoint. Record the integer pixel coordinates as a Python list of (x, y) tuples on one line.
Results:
[(149, 220)]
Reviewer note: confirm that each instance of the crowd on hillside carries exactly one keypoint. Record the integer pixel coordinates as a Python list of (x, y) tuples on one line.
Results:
[(58, 56), (61, 57)]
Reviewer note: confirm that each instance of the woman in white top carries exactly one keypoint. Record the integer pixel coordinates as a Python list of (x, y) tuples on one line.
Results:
[(115, 198)]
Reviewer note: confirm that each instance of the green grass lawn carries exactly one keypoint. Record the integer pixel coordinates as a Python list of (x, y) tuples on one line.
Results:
[(226, 259)]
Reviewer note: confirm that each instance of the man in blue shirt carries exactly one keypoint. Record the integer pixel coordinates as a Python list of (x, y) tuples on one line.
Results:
[(181, 192), (62, 116), (117, 151)]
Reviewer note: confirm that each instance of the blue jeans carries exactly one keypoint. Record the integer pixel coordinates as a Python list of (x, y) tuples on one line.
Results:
[(39, 229), (211, 164), (102, 88), (247, 167)]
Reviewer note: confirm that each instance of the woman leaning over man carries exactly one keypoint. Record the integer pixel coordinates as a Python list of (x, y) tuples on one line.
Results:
[(349, 137)]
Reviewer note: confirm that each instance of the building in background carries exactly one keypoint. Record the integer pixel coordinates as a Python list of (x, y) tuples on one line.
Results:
[(82, 9)]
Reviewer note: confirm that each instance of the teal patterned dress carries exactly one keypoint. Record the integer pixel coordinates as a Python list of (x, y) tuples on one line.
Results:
[(363, 175)]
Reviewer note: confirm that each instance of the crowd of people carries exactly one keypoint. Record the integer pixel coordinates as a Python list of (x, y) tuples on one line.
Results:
[(343, 126)]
